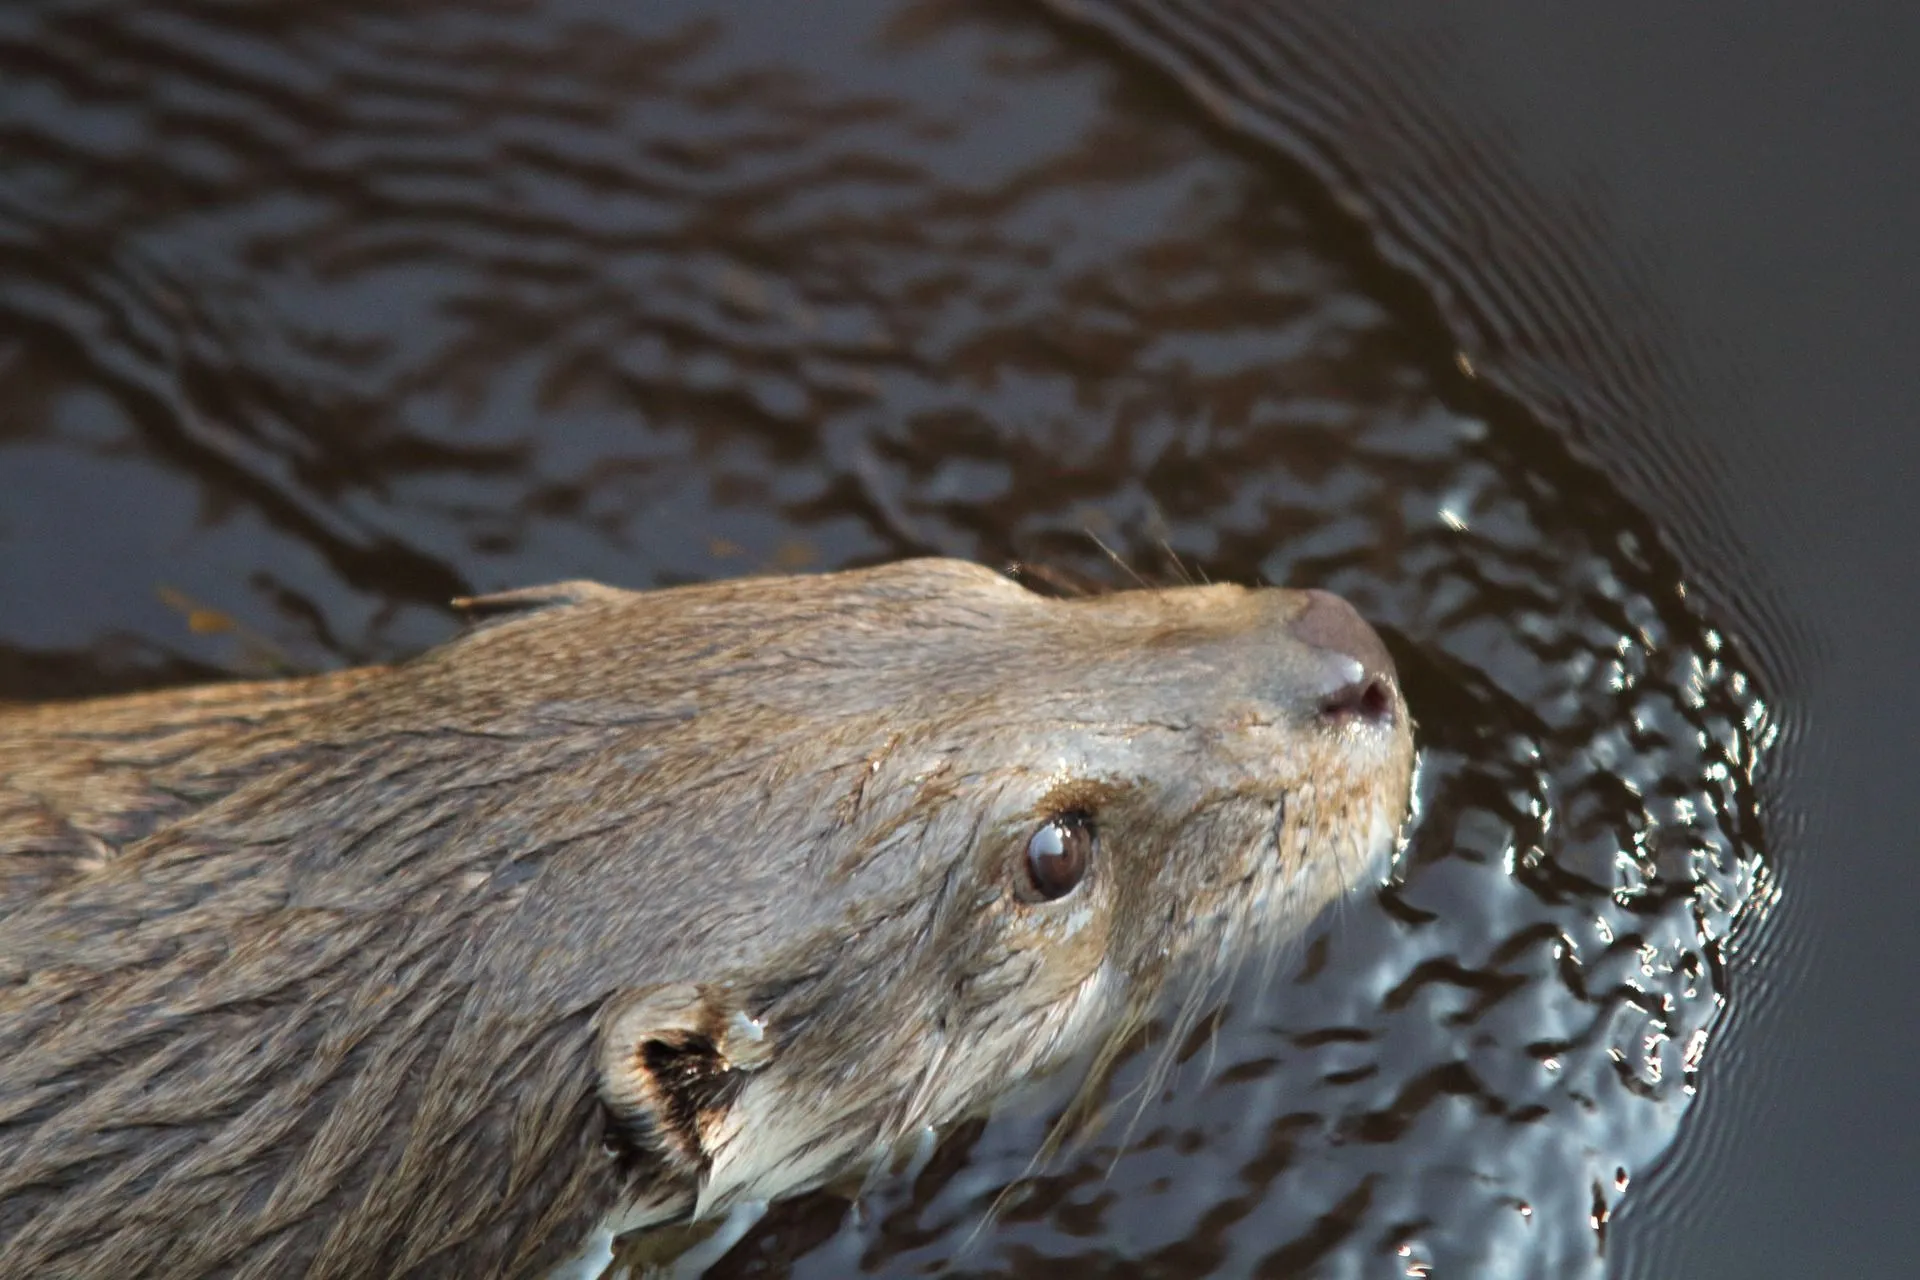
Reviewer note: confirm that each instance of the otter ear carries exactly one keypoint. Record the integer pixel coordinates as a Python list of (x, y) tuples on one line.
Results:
[(672, 1060)]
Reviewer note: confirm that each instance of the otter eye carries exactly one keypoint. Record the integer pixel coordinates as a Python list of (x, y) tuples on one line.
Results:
[(1059, 854)]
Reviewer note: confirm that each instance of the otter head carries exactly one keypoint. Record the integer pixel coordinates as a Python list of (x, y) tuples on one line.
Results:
[(851, 855)]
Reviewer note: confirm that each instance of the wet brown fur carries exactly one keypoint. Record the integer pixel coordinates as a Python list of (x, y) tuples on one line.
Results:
[(311, 977)]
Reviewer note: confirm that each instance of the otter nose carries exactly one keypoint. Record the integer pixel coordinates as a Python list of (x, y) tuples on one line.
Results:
[(1354, 680)]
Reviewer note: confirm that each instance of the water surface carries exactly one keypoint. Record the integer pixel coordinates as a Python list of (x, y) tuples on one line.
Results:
[(313, 318)]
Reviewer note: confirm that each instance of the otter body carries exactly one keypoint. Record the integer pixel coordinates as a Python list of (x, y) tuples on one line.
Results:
[(624, 907)]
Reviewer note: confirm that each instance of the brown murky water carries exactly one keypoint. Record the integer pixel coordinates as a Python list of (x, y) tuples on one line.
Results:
[(312, 318)]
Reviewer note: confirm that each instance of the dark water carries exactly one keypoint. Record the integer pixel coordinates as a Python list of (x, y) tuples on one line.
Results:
[(312, 318)]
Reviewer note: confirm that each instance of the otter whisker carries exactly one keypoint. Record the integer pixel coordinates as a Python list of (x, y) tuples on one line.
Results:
[(1116, 558)]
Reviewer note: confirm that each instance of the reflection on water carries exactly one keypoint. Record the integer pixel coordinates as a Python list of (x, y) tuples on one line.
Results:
[(314, 318)]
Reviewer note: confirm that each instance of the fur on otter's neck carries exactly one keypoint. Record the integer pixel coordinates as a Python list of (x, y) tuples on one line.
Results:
[(275, 1012)]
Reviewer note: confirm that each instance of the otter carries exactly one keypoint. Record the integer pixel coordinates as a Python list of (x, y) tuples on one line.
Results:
[(625, 908)]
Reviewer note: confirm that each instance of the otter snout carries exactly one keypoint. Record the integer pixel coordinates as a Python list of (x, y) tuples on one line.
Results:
[(1348, 674)]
